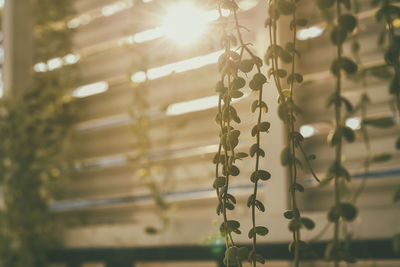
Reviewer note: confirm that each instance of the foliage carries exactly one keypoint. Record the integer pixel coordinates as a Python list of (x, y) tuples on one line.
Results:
[(387, 12), (256, 84), (147, 170), (341, 211), (288, 110), (34, 126), (230, 65)]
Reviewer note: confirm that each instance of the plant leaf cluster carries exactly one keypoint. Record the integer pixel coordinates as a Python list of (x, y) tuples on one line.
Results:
[(35, 126)]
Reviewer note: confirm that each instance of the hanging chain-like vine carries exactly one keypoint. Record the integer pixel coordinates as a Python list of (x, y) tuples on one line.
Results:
[(288, 111), (387, 13), (147, 170), (230, 63), (341, 211)]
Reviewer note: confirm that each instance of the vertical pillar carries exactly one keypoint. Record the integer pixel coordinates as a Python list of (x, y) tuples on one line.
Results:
[(18, 44)]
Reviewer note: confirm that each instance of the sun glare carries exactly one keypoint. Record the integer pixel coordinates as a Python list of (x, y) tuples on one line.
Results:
[(184, 23)]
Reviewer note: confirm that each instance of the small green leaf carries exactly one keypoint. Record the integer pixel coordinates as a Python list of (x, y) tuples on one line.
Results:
[(259, 205), (296, 186), (246, 65), (295, 77), (261, 152), (252, 233), (219, 182), (289, 46), (281, 73), (264, 126), (347, 104), (255, 86), (232, 224), (235, 94), (253, 149), (338, 35), (253, 256), (307, 222), (231, 198), (261, 230), (383, 122), (348, 211), (348, 134), (381, 72), (234, 171), (254, 106), (229, 206), (250, 200), (382, 157), (151, 230), (259, 78), (345, 210), (241, 155), (238, 83), (343, 63), (347, 22), (216, 158), (219, 209), (263, 175), (290, 214), (255, 130), (286, 56)]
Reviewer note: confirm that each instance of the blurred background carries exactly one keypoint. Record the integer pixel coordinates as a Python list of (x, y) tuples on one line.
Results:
[(136, 78)]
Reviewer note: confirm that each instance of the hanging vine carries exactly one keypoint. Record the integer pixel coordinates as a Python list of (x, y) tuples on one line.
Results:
[(34, 129), (387, 13), (147, 171), (230, 63), (256, 84), (288, 111), (341, 211)]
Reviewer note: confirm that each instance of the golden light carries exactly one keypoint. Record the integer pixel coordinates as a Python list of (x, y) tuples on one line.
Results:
[(184, 23)]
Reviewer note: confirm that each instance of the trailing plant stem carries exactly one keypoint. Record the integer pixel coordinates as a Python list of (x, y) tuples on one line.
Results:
[(260, 96), (338, 148)]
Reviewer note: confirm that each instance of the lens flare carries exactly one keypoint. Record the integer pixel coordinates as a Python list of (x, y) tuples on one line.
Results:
[(184, 23)]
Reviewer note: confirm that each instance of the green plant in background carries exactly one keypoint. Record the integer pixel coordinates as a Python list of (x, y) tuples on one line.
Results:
[(34, 129), (147, 170), (381, 72), (341, 211), (288, 110), (387, 13)]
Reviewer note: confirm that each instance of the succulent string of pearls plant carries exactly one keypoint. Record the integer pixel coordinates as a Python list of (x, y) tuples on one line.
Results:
[(288, 111)]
